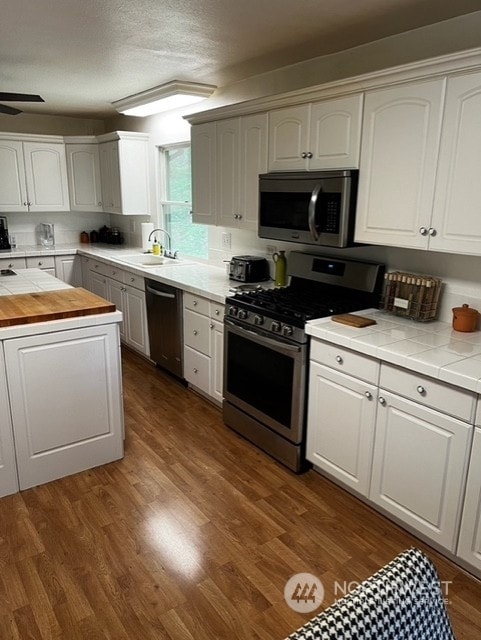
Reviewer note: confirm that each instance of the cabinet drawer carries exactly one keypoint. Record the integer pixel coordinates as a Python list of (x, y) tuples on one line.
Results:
[(113, 272), (197, 331), (429, 392), (345, 360), (197, 369), (133, 280), (41, 262), (12, 263), (100, 267), (196, 303), (216, 310)]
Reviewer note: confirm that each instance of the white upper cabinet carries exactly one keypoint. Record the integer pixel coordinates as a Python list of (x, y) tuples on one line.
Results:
[(321, 135), (457, 203), (83, 167), (203, 152), (33, 176), (400, 142), (227, 158), (124, 170)]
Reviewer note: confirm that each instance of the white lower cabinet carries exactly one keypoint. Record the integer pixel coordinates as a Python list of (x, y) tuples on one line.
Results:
[(68, 269), (8, 468), (340, 426), (419, 466), (127, 291), (469, 545), (45, 263), (203, 345), (71, 419)]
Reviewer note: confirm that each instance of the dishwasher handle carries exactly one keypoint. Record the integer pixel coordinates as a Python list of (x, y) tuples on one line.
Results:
[(161, 294)]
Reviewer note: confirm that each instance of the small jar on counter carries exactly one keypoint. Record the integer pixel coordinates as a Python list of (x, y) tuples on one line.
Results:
[(84, 237)]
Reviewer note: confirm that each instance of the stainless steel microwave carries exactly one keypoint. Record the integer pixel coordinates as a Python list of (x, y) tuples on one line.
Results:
[(308, 207)]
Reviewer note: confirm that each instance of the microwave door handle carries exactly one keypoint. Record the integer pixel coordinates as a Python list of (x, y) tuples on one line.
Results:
[(312, 211)]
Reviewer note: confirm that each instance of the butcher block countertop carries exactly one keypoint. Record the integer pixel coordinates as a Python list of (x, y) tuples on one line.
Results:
[(28, 308)]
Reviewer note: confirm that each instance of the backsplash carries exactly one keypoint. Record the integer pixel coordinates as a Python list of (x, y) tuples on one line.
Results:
[(68, 226)]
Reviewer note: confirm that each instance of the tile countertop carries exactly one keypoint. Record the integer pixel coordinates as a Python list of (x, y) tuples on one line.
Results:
[(432, 348), (29, 281)]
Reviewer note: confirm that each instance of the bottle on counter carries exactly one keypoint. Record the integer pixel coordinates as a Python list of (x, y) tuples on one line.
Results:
[(155, 248), (280, 262)]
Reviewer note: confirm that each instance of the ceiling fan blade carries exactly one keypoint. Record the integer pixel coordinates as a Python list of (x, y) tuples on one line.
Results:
[(20, 97), (9, 110)]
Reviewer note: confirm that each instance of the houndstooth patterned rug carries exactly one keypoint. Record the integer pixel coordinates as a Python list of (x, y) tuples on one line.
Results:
[(402, 601)]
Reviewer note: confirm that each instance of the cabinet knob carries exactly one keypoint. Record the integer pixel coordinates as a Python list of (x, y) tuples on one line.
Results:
[(309, 154), (132, 279), (195, 332), (423, 231), (339, 359), (211, 326), (217, 312), (432, 232), (40, 263), (10, 265), (304, 155), (420, 389), (194, 303), (382, 401), (195, 370), (368, 395), (25, 204)]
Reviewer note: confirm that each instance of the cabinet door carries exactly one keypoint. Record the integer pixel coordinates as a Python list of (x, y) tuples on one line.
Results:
[(46, 174), (13, 190), (253, 161), (217, 360), (203, 151), (289, 138), (71, 419), (137, 335), (335, 133), (98, 284), (400, 140), (114, 292), (83, 166), (469, 546), (69, 270), (419, 467), (227, 171), (456, 220), (8, 466), (340, 426), (110, 177)]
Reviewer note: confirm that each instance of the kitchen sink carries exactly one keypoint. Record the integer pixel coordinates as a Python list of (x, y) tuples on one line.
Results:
[(148, 260)]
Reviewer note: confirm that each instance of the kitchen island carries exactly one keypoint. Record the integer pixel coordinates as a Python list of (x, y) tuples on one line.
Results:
[(60, 382)]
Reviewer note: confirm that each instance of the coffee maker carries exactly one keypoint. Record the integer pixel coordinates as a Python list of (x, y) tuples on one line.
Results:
[(4, 242)]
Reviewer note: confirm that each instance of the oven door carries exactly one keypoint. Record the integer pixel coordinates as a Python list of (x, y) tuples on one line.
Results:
[(266, 378)]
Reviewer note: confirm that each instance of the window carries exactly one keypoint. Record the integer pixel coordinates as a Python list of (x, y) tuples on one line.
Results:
[(176, 201)]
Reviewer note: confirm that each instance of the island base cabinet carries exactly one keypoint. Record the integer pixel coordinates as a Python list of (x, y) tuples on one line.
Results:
[(66, 402), (419, 467), (8, 469), (469, 546)]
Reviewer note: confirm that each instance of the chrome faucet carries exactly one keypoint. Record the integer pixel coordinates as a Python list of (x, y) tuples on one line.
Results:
[(167, 253)]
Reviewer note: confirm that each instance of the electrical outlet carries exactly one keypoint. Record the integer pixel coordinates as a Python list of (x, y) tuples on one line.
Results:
[(226, 240), (270, 249)]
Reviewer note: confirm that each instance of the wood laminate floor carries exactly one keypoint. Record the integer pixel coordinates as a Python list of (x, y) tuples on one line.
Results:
[(192, 536)]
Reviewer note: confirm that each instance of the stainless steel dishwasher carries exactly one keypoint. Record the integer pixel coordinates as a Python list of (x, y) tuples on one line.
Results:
[(164, 318)]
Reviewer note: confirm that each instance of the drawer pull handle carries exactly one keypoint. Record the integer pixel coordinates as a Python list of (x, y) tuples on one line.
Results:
[(382, 401), (368, 395), (339, 359), (420, 389)]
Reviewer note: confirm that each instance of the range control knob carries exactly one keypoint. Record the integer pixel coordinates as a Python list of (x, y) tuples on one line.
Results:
[(276, 326), (258, 320), (243, 314), (286, 330), (232, 311)]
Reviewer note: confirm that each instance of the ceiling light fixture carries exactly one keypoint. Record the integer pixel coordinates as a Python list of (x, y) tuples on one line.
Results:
[(168, 96)]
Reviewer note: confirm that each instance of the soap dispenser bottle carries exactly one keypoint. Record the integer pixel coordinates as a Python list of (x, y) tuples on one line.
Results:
[(280, 262), (155, 248)]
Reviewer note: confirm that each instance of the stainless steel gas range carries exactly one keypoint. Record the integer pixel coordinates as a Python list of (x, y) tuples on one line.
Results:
[(266, 348)]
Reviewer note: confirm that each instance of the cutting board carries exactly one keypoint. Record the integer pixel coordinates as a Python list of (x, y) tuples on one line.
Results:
[(353, 320), (27, 308)]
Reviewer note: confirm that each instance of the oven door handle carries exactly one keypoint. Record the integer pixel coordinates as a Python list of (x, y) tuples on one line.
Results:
[(276, 344), (311, 219)]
